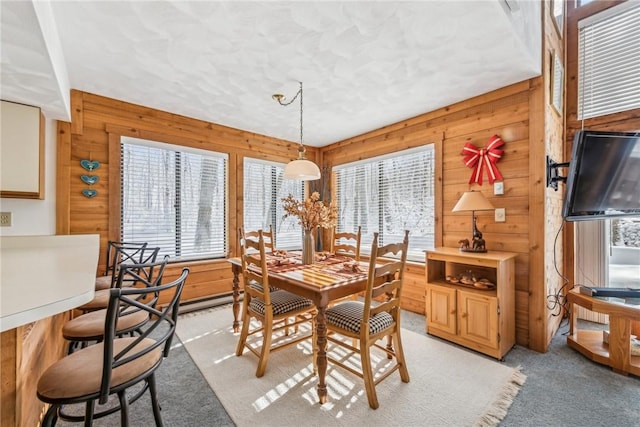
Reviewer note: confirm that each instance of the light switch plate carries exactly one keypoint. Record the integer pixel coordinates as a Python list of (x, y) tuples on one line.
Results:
[(498, 188), (500, 215)]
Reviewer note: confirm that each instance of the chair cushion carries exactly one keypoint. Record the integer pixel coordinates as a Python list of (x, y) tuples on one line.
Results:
[(282, 302), (91, 325), (103, 282), (100, 300), (258, 286), (80, 373), (348, 315)]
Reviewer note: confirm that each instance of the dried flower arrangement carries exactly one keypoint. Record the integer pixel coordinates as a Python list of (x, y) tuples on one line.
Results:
[(311, 212)]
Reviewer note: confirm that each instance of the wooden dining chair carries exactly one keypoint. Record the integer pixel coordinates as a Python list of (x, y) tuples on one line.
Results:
[(373, 320), (86, 328), (274, 310), (346, 242), (118, 253), (125, 254), (116, 364), (269, 238), (342, 243)]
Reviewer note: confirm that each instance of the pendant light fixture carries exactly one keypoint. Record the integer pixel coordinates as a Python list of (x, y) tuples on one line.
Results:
[(301, 168)]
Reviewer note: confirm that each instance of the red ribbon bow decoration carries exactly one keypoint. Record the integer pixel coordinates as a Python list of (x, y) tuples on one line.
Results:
[(479, 158)]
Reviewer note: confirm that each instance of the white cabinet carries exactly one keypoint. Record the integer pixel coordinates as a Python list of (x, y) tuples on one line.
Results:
[(21, 151)]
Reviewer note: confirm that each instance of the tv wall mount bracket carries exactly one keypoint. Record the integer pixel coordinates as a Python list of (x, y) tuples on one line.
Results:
[(553, 176)]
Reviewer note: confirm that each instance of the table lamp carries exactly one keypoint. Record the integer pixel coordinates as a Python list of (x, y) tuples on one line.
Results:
[(473, 201)]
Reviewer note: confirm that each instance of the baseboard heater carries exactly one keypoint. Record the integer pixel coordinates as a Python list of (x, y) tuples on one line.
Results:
[(205, 303), (610, 292)]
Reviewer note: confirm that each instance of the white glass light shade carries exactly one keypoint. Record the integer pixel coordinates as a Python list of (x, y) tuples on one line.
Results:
[(472, 201), (302, 170)]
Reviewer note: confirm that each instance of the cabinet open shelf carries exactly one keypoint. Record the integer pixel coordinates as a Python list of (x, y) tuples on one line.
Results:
[(477, 318)]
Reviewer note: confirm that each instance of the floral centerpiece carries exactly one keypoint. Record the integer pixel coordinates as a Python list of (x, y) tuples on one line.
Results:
[(311, 213)]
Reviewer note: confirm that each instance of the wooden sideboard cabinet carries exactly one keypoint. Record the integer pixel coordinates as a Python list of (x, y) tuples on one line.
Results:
[(624, 321), (477, 318)]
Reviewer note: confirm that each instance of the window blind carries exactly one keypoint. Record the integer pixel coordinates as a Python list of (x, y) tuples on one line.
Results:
[(264, 189), (388, 195), (608, 61), (174, 198)]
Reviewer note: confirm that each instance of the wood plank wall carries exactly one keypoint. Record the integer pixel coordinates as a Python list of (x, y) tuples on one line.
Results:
[(505, 112), (551, 310), (98, 123), (27, 351), (517, 114), (94, 133)]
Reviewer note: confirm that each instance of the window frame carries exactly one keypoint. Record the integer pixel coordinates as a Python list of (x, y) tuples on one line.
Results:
[(277, 212), (435, 236), (182, 149), (588, 98)]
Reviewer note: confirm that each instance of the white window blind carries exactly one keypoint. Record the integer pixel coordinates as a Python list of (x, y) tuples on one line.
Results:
[(174, 198), (264, 189), (388, 195), (609, 61)]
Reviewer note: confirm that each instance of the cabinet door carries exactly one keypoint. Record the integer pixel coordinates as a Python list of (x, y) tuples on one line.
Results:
[(478, 318), (22, 147), (441, 308)]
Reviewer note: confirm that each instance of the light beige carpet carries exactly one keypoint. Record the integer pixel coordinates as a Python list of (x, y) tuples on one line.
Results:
[(449, 386)]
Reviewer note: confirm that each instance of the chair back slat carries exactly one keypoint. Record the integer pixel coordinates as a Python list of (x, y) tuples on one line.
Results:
[(268, 236), (158, 331), (254, 266), (346, 242), (385, 279)]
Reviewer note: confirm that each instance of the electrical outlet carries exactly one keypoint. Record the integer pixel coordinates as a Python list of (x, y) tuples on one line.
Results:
[(498, 188), (500, 215), (5, 219)]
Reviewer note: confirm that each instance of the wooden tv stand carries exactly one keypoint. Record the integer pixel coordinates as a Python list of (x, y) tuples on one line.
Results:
[(624, 321)]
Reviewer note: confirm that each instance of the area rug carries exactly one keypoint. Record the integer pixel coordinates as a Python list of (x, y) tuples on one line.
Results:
[(449, 386)]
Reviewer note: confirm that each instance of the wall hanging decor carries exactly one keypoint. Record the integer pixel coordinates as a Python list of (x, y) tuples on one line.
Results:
[(89, 179), (89, 165), (480, 158), (89, 193)]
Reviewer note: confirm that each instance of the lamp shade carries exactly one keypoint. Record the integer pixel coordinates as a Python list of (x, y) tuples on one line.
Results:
[(302, 170), (472, 201)]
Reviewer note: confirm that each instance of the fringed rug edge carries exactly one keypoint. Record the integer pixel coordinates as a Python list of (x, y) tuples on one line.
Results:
[(498, 409)]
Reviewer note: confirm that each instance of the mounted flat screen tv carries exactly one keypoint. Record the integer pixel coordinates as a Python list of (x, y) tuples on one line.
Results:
[(604, 176)]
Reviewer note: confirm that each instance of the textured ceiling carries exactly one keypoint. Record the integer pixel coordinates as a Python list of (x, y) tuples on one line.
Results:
[(364, 64)]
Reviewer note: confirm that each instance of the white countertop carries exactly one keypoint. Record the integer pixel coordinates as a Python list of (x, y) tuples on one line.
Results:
[(41, 276)]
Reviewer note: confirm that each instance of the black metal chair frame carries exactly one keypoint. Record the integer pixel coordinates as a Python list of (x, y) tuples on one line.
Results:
[(120, 300), (148, 274), (119, 253)]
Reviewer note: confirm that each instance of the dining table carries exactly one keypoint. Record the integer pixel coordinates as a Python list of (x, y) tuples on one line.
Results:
[(329, 278)]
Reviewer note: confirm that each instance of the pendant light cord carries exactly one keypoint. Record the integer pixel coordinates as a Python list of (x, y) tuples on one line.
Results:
[(279, 98)]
